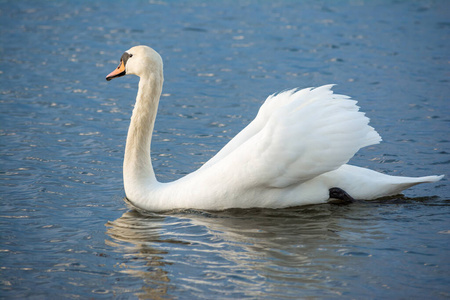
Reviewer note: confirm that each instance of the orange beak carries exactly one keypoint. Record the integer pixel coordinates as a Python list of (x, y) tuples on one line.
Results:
[(118, 72)]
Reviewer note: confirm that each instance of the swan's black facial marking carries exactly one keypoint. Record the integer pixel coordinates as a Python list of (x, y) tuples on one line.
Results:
[(121, 69), (125, 57)]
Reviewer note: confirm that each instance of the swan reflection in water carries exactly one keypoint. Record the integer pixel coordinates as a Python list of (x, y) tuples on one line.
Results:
[(251, 251), (134, 235)]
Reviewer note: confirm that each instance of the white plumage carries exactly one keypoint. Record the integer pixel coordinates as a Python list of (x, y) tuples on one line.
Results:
[(292, 153)]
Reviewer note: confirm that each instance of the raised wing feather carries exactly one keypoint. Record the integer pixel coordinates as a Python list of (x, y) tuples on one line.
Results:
[(271, 105), (297, 135)]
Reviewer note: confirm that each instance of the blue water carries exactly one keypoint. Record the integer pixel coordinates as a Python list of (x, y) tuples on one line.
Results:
[(65, 231)]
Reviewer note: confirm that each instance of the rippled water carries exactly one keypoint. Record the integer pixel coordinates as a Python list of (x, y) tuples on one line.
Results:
[(65, 230)]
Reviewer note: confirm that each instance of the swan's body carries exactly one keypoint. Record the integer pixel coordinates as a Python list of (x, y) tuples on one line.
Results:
[(292, 153)]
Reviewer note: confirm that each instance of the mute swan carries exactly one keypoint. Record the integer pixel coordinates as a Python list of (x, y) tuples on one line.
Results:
[(293, 153)]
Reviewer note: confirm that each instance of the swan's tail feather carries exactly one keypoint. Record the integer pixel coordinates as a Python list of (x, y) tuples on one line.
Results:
[(429, 179), (366, 184), (404, 183)]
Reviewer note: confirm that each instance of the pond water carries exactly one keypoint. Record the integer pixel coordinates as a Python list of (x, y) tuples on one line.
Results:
[(65, 229)]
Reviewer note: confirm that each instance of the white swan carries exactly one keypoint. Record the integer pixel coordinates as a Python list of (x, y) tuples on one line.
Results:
[(293, 153)]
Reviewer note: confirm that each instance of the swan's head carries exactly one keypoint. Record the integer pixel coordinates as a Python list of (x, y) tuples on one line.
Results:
[(140, 61)]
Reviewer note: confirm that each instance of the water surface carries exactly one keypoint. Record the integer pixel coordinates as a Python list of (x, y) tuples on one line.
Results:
[(65, 229)]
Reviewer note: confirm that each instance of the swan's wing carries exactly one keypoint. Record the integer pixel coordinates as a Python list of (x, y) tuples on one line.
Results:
[(305, 133), (271, 104)]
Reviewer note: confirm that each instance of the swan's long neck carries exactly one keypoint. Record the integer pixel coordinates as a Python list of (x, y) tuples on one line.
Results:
[(137, 166)]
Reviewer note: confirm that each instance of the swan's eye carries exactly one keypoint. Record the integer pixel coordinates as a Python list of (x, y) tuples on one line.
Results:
[(131, 55)]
